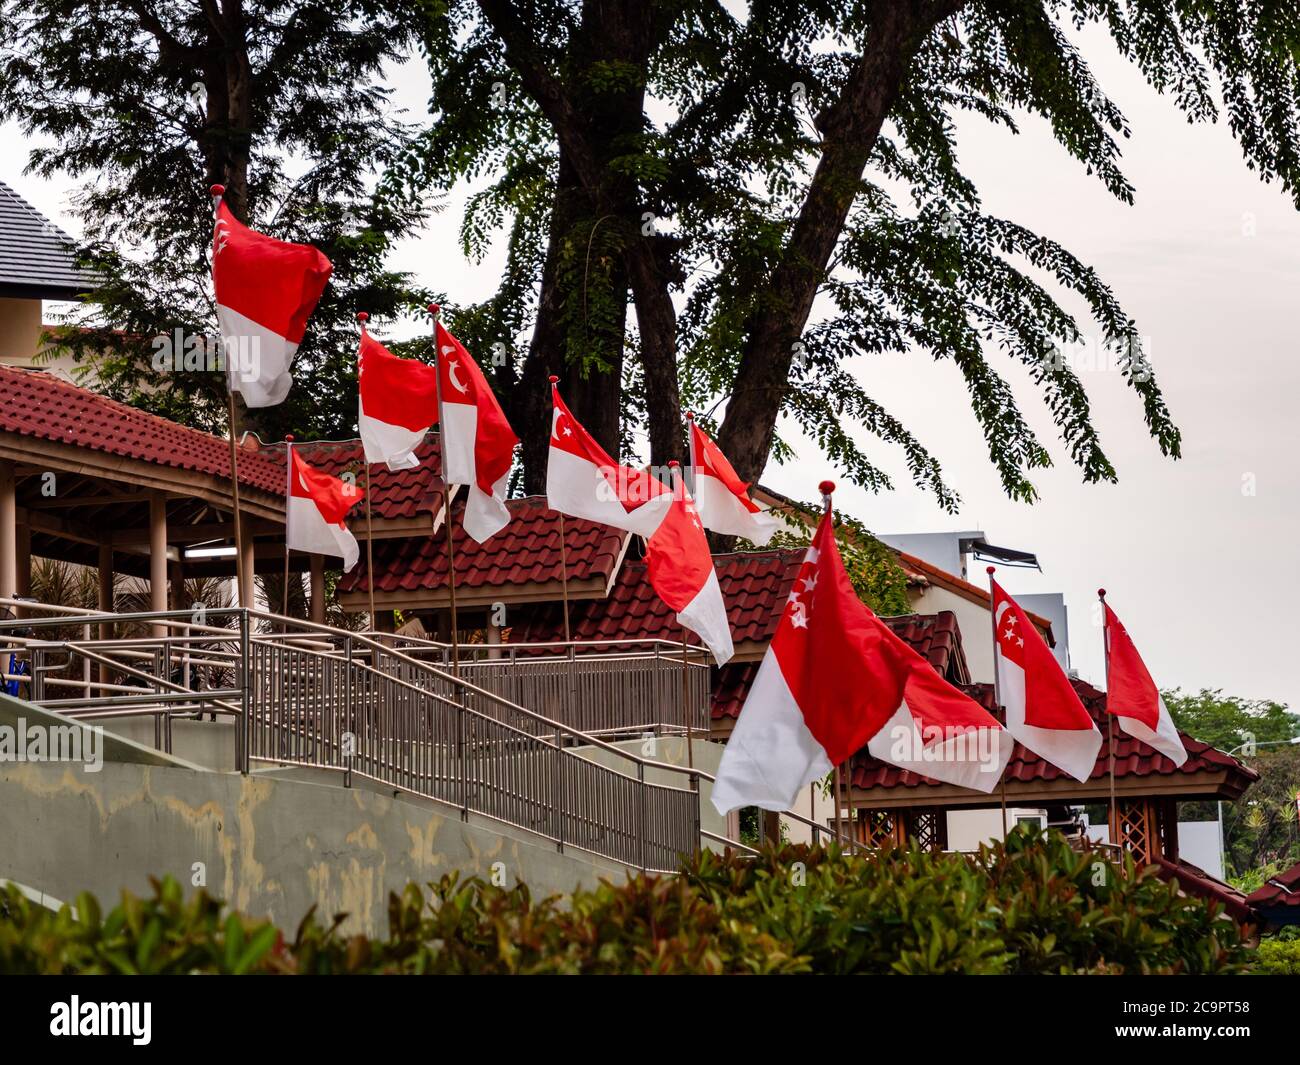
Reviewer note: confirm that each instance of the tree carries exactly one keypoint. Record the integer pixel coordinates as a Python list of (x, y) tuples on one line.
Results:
[(806, 153), (150, 102), (1260, 829), (1229, 722)]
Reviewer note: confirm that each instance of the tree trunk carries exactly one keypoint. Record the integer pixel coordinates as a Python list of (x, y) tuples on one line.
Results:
[(850, 132)]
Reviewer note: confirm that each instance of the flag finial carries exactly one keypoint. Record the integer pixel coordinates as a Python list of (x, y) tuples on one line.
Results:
[(673, 464), (288, 438), (363, 317), (991, 570), (1101, 593), (826, 487), (217, 191), (690, 416), (553, 379), (435, 309)]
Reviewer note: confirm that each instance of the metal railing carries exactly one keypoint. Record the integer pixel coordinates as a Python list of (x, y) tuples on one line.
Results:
[(376, 707), (599, 687)]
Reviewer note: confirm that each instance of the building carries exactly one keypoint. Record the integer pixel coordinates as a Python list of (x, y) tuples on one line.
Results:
[(37, 264)]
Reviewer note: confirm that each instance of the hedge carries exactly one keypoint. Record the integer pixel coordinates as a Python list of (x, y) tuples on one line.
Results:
[(1031, 905)]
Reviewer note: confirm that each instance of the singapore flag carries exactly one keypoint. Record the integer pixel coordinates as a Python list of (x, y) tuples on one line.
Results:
[(265, 291)]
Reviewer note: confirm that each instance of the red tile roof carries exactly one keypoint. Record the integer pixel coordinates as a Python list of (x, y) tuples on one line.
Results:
[(1281, 893), (1132, 757), (754, 585), (527, 551), (1196, 881), (41, 406), (395, 494)]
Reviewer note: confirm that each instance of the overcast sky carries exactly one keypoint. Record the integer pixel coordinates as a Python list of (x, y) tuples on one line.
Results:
[(1201, 557)]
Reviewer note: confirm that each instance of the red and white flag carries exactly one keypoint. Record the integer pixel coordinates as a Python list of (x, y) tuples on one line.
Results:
[(835, 679), (398, 404), (1132, 695), (316, 510), (265, 290), (721, 497), (583, 481), (478, 445), (1044, 712)]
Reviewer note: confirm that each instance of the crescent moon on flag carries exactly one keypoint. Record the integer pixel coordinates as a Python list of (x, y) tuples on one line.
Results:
[(1002, 609), (555, 420), (452, 367), (303, 481)]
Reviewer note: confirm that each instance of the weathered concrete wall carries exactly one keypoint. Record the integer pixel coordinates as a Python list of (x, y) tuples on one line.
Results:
[(271, 844), (210, 744)]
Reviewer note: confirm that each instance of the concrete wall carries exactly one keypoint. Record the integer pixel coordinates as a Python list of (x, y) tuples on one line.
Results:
[(20, 331), (972, 619), (270, 844), (210, 744)]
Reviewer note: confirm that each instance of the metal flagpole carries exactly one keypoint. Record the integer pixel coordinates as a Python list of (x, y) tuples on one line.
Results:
[(217, 192), (1110, 721), (234, 517), (679, 485), (288, 493), (997, 693), (564, 550), (363, 317), (826, 488), (436, 311)]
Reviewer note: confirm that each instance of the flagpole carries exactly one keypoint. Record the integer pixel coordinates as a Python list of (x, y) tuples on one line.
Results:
[(826, 488), (1110, 721), (288, 493), (363, 317), (679, 483), (436, 311), (218, 191), (997, 694), (564, 552)]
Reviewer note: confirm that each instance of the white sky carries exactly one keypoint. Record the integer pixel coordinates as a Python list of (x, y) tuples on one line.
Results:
[(1205, 576)]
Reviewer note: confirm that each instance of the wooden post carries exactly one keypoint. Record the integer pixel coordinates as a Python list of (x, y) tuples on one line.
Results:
[(245, 564), (158, 556), (106, 603), (8, 531), (317, 564), (23, 558)]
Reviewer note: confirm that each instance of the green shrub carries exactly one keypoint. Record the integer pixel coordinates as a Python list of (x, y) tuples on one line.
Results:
[(1277, 957), (1032, 905)]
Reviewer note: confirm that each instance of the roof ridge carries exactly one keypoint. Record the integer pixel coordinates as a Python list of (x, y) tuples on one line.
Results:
[(13, 193)]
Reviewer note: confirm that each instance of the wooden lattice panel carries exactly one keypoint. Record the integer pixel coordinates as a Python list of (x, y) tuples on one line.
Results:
[(1139, 828)]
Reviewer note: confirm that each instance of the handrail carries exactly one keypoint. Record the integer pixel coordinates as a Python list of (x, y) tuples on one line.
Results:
[(185, 619)]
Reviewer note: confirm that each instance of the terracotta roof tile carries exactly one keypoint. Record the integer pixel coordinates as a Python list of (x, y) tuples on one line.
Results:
[(527, 551), (1282, 892), (40, 406), (1132, 757), (395, 494), (1196, 881)]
